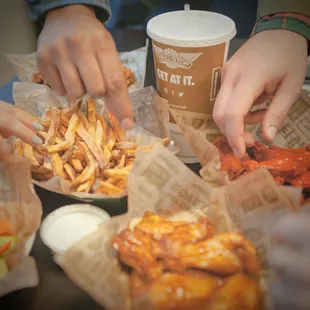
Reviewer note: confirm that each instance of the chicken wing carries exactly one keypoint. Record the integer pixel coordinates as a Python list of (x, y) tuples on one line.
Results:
[(302, 181), (181, 266), (288, 163), (135, 250), (230, 163), (225, 254), (177, 291), (287, 166), (186, 232), (238, 292), (166, 233)]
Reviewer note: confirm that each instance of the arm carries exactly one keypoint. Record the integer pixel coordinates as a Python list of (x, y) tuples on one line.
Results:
[(39, 8)]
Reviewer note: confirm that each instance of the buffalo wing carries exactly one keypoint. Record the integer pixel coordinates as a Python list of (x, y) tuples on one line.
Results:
[(183, 266), (287, 166)]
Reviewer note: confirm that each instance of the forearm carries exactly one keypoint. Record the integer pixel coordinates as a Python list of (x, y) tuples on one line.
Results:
[(39, 8)]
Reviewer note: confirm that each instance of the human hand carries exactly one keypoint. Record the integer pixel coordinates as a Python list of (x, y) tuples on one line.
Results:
[(77, 54), (18, 123), (271, 64), (290, 261)]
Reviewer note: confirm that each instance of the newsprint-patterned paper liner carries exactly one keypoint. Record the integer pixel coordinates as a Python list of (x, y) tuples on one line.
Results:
[(293, 134), (151, 115), (161, 183), (20, 205), (26, 65)]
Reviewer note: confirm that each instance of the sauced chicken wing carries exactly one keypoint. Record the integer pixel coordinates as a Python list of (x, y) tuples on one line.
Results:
[(142, 247), (160, 227), (282, 161), (173, 233), (181, 266), (229, 161), (177, 291), (225, 254), (287, 166), (302, 181), (134, 249), (239, 292)]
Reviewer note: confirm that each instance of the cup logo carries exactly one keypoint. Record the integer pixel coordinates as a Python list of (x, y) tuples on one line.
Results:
[(173, 60)]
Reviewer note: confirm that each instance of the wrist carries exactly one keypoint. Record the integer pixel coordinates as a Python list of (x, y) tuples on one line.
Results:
[(296, 23), (70, 10)]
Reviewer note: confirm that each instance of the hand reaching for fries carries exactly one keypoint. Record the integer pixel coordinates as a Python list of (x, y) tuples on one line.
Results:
[(18, 123), (77, 55)]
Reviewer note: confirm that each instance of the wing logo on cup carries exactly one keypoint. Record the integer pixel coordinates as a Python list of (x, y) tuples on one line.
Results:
[(173, 60)]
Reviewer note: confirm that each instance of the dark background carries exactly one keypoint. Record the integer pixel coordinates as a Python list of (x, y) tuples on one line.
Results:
[(134, 14)]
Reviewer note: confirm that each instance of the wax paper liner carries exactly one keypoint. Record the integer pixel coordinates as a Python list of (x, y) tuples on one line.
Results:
[(294, 133), (26, 65), (150, 112), (161, 183), (20, 205)]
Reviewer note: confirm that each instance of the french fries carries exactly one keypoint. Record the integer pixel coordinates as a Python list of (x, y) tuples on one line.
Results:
[(88, 151)]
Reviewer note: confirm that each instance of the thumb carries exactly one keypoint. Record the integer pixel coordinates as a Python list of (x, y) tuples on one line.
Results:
[(279, 108)]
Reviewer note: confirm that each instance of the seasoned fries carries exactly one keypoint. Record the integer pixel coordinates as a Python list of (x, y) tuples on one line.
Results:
[(88, 151), (119, 133)]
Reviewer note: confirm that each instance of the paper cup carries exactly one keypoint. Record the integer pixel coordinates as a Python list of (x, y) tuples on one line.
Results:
[(189, 50)]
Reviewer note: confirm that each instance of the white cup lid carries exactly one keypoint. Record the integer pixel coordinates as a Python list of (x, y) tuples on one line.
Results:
[(191, 28), (69, 224)]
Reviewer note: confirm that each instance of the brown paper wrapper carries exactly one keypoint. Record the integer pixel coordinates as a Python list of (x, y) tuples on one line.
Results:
[(159, 182), (20, 205)]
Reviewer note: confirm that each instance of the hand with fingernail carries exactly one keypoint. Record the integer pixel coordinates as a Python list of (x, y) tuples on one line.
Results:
[(270, 65), (76, 55), (18, 123), (290, 260)]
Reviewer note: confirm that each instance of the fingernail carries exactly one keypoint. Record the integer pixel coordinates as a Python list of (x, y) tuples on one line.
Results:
[(36, 125), (126, 123), (36, 140), (272, 132)]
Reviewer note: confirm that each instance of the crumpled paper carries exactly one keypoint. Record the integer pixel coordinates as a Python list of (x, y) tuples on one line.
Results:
[(151, 115), (161, 183), (20, 205), (26, 65)]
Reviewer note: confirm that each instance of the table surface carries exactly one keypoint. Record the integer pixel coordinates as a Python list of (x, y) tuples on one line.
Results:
[(56, 291)]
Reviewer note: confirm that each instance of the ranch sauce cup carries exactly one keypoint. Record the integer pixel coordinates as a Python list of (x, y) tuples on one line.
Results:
[(190, 48)]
